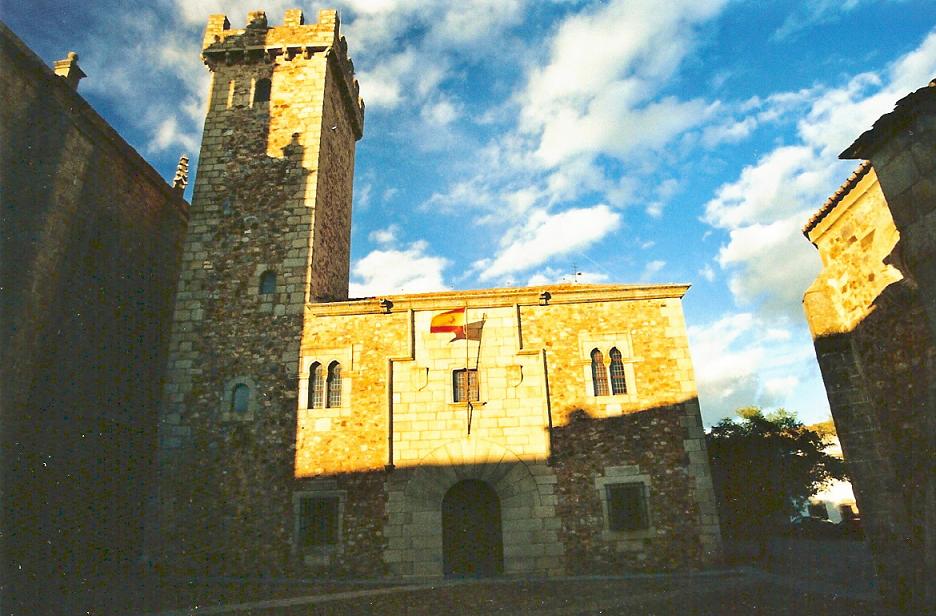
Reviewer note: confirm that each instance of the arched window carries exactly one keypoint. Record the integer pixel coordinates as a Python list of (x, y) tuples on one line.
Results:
[(599, 374), (267, 282), (618, 380), (334, 385), (240, 398), (262, 91), (316, 386)]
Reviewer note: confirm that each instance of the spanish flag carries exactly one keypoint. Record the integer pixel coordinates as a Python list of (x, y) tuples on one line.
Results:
[(452, 321)]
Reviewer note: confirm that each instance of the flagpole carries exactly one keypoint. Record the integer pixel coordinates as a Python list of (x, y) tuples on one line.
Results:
[(467, 374)]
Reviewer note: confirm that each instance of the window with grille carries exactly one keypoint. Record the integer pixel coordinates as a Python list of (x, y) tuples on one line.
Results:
[(465, 385), (316, 386), (333, 385), (627, 506), (318, 521), (599, 374), (618, 380)]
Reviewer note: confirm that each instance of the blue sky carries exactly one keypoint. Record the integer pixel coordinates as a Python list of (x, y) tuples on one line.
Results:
[(513, 142)]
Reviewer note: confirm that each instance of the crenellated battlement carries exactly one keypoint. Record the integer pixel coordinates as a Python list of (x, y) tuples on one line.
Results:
[(259, 42)]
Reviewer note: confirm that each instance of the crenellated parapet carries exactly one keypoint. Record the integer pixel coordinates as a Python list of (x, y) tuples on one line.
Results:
[(258, 42)]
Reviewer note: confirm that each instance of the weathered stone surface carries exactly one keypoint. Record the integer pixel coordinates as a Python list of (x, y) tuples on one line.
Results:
[(878, 361), (273, 194), (91, 236)]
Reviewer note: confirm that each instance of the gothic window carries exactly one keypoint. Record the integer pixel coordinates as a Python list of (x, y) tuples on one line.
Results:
[(627, 506), (262, 91), (316, 386), (240, 398), (618, 380), (465, 386), (599, 374), (334, 385), (267, 282), (318, 521)]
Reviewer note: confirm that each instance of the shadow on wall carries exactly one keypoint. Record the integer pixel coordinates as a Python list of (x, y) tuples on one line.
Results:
[(619, 494), (877, 377), (89, 261)]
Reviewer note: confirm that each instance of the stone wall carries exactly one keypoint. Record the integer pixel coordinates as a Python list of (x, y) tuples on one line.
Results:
[(272, 198), (878, 361), (89, 258), (538, 435)]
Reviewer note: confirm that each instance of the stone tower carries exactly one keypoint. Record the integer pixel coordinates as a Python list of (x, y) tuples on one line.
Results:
[(269, 231)]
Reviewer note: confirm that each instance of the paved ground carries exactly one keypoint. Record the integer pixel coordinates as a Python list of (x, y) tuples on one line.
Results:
[(739, 591)]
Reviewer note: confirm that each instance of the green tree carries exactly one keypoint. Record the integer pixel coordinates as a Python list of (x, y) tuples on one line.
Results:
[(765, 467)]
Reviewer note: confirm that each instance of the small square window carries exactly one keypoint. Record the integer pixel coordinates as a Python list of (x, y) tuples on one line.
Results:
[(318, 521), (627, 506), (465, 386)]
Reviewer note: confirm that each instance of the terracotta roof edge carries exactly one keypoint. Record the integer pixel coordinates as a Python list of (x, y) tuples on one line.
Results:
[(860, 171)]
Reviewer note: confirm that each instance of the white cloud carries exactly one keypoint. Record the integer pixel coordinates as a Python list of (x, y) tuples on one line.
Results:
[(439, 113), (764, 209), (780, 386), (770, 262), (729, 132), (551, 275), (741, 360), (362, 195), (593, 98), (787, 179), (547, 235), (810, 14), (652, 269), (664, 192), (390, 271), (167, 134), (383, 85), (708, 272), (384, 236)]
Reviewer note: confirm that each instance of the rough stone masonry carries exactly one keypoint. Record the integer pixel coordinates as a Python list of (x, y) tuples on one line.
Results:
[(557, 431)]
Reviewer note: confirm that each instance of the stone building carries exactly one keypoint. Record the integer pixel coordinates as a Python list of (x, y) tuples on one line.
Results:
[(88, 265), (872, 313), (543, 430)]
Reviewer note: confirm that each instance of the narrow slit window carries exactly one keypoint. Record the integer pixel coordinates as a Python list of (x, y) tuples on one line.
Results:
[(334, 385), (465, 386), (316, 386), (240, 398), (262, 91), (599, 373), (268, 283), (618, 380)]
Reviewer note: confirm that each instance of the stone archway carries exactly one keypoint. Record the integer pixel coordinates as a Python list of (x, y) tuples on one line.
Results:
[(525, 490), (472, 538)]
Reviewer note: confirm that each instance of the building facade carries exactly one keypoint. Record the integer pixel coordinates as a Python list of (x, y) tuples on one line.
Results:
[(91, 236), (547, 430), (871, 313)]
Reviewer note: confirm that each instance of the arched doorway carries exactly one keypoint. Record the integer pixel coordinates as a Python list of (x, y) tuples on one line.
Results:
[(472, 541)]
